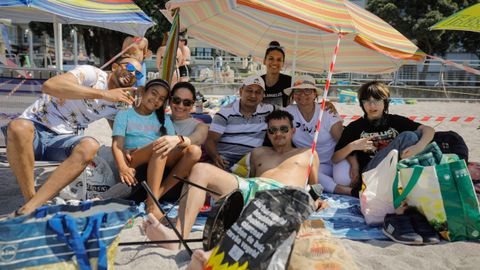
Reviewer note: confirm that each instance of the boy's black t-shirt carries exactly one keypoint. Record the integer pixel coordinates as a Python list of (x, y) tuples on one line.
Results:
[(274, 94), (384, 134)]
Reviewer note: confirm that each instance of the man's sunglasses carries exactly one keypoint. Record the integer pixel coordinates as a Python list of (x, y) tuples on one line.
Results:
[(131, 68), (186, 102), (283, 129)]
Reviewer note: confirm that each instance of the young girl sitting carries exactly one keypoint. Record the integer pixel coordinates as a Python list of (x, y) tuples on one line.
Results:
[(145, 135)]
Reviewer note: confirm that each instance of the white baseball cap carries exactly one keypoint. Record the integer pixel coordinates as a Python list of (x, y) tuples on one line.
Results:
[(254, 79), (303, 82)]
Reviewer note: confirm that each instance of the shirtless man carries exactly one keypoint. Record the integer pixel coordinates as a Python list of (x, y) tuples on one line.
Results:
[(273, 167), (161, 53), (138, 51), (184, 66)]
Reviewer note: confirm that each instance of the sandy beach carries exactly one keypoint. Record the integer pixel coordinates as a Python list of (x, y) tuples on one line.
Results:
[(372, 254)]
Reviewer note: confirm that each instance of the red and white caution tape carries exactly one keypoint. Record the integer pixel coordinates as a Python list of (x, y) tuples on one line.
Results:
[(428, 118)]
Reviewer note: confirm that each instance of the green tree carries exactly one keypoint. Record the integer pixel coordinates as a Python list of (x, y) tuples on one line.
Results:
[(413, 18)]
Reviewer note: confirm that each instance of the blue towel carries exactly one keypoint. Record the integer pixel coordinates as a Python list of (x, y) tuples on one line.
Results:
[(344, 219)]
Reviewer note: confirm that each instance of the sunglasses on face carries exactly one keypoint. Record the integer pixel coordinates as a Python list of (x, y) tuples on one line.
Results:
[(303, 91), (185, 102), (131, 68), (371, 102), (283, 129)]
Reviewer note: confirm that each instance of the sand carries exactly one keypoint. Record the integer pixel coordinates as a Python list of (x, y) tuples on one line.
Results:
[(367, 255)]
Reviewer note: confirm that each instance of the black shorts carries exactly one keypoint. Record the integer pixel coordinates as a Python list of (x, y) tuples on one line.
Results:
[(184, 71)]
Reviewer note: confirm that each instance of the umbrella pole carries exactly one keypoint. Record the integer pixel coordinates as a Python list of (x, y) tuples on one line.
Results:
[(320, 115), (294, 64)]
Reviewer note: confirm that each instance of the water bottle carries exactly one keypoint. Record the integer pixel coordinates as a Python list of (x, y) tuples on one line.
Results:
[(199, 104)]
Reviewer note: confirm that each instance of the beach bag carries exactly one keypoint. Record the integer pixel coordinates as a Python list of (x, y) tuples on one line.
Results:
[(440, 187), (65, 236), (265, 224), (98, 176), (376, 200), (451, 142)]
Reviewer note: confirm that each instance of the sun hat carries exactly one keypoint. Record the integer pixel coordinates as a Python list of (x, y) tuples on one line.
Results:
[(303, 82), (254, 79)]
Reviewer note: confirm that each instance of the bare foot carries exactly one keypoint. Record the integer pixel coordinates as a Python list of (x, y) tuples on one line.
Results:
[(156, 231), (153, 209), (199, 259)]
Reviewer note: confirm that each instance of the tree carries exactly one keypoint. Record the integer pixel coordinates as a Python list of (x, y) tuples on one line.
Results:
[(412, 18)]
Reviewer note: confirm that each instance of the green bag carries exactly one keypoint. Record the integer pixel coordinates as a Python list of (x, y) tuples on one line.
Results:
[(441, 188)]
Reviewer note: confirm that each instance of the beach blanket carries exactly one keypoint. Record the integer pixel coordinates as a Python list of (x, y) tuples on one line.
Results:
[(344, 219)]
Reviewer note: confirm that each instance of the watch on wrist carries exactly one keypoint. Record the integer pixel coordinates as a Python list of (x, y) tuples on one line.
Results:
[(182, 140)]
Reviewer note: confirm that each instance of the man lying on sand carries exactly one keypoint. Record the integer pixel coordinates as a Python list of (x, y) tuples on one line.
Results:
[(273, 167)]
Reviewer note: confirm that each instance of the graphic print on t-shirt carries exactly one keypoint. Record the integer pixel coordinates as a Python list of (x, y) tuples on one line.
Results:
[(381, 139)]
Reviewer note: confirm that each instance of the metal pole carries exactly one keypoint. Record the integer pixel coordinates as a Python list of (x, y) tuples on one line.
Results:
[(57, 30), (30, 47), (73, 33)]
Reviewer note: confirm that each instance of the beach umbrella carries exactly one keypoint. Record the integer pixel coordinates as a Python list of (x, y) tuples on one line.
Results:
[(170, 54), (308, 30), (465, 20), (119, 15)]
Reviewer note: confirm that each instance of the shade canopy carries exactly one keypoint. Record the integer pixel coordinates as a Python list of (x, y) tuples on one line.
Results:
[(119, 15), (465, 20), (306, 28)]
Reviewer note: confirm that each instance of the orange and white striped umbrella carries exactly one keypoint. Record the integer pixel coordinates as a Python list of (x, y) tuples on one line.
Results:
[(307, 29)]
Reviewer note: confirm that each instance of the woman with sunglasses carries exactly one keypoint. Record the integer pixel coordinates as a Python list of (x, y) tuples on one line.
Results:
[(333, 178), (367, 141), (145, 135), (275, 81)]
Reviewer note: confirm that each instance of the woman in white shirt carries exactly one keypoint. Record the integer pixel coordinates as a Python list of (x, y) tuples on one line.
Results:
[(334, 178)]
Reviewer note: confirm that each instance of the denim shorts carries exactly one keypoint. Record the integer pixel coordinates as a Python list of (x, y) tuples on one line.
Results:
[(50, 146)]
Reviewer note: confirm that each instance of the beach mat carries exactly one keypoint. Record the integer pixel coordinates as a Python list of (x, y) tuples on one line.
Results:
[(316, 248), (343, 219)]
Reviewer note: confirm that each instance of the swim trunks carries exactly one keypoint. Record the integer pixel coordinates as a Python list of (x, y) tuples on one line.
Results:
[(250, 186)]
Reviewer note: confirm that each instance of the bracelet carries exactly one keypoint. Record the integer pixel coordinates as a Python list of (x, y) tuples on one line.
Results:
[(182, 140)]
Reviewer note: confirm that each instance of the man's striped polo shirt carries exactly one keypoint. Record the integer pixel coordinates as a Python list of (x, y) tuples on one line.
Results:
[(239, 134)]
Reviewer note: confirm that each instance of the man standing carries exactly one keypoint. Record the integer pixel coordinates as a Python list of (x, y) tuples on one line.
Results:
[(70, 100), (273, 167), (184, 66), (139, 50), (239, 127)]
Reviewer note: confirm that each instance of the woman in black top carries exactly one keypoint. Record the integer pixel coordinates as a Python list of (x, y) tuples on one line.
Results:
[(275, 81)]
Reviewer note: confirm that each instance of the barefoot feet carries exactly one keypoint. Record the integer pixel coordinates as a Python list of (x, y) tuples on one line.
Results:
[(199, 259), (156, 231)]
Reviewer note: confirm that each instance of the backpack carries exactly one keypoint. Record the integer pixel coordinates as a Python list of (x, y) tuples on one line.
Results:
[(451, 142)]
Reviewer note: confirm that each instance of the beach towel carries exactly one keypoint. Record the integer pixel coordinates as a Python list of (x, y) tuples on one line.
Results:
[(65, 236), (376, 200), (441, 188), (343, 219)]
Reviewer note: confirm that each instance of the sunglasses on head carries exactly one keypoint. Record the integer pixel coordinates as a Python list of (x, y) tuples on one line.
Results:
[(186, 102), (284, 129), (131, 68)]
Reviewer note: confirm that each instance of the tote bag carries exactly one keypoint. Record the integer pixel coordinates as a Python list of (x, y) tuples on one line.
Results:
[(65, 236), (440, 187), (376, 199)]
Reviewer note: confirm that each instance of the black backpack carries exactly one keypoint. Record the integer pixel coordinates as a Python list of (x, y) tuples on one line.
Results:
[(451, 142)]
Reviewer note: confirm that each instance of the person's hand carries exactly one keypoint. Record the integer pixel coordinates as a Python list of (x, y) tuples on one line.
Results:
[(165, 144), (120, 95), (364, 144), (220, 162), (411, 151), (330, 107), (127, 176), (128, 156), (320, 204), (354, 175)]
